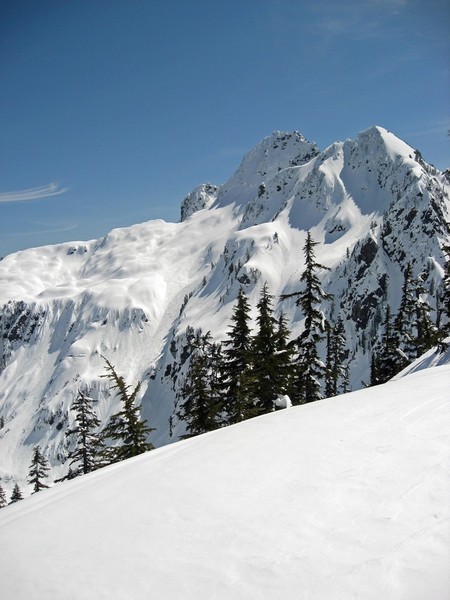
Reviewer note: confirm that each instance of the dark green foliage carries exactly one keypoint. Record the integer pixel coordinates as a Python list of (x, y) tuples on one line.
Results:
[(427, 334), (404, 323), (16, 494), (309, 368), (336, 373), (271, 356), (266, 358), (126, 426), (86, 455), (285, 352), (445, 298), (386, 363), (374, 369), (3, 501), (38, 470), (236, 376), (201, 405)]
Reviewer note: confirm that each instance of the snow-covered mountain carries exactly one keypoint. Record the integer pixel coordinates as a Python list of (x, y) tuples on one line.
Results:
[(338, 499), (372, 203)]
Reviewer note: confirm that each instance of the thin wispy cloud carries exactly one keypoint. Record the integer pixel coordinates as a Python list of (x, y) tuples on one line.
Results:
[(31, 194), (362, 20), (56, 229), (442, 127)]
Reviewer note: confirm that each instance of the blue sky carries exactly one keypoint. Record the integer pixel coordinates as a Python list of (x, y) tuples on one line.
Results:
[(111, 111)]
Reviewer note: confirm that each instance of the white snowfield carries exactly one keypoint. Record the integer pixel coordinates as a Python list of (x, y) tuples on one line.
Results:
[(342, 499)]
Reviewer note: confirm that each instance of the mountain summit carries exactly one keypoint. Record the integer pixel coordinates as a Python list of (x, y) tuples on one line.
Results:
[(373, 204)]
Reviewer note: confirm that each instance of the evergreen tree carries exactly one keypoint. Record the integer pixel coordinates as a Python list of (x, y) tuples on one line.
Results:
[(345, 383), (285, 350), (427, 334), (266, 358), (310, 369), (3, 501), (375, 377), (404, 323), (126, 426), (445, 298), (87, 452), (16, 494), (336, 371), (201, 406), (38, 470), (236, 376), (387, 360)]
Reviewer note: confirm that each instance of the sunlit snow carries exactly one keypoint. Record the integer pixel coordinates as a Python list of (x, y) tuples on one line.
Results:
[(342, 499)]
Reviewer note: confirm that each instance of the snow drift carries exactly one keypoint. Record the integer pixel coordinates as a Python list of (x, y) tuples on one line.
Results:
[(345, 498)]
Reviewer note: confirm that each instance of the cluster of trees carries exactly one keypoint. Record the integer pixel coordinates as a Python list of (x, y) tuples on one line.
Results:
[(412, 331), (125, 435), (38, 472), (243, 376)]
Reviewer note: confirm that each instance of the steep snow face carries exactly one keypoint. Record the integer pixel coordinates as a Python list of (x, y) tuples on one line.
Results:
[(373, 204), (202, 197), (275, 153), (343, 498)]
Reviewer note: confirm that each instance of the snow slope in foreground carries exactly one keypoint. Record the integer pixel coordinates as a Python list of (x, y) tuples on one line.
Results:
[(341, 499)]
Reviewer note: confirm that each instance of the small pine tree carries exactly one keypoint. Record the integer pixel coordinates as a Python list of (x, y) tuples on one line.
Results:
[(375, 378), (236, 377), (86, 455), (427, 334), (126, 426), (404, 323), (3, 501), (200, 408), (267, 360), (285, 351), (336, 369), (387, 360), (345, 383), (16, 494), (445, 298), (310, 369), (38, 470)]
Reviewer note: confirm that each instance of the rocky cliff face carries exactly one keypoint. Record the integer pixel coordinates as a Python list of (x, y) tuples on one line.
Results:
[(373, 204)]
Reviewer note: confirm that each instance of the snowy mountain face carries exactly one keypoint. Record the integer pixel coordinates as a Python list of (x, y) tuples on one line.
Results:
[(372, 203)]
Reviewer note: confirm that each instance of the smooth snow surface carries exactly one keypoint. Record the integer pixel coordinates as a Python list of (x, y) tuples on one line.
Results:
[(347, 498)]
